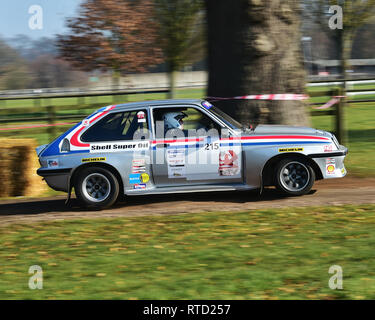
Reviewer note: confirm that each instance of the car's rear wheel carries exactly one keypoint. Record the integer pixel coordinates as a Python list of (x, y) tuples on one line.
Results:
[(96, 187), (294, 177)]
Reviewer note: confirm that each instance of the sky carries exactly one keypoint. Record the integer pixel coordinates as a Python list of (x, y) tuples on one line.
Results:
[(15, 17)]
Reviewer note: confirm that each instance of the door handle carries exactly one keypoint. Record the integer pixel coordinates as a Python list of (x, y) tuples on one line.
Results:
[(162, 145)]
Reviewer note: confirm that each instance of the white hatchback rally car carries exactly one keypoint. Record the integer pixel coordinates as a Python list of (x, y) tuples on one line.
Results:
[(175, 146)]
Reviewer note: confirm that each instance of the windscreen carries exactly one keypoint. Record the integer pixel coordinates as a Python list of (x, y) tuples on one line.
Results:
[(226, 118)]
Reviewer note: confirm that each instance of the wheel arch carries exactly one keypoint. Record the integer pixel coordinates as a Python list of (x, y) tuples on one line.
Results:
[(103, 165), (268, 171)]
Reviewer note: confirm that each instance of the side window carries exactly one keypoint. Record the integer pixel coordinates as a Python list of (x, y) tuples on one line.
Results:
[(119, 126), (184, 119)]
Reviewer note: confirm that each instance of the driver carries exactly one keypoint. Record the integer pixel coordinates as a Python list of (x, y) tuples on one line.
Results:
[(174, 120)]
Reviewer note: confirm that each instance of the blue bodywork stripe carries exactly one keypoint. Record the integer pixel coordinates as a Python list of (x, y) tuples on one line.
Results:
[(230, 144)]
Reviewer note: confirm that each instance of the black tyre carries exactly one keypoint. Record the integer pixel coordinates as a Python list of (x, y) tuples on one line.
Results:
[(294, 177), (96, 187)]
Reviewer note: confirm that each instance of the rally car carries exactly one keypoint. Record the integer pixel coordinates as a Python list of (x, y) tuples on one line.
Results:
[(173, 146)]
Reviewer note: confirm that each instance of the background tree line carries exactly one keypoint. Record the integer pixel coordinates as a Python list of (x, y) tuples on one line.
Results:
[(31, 64)]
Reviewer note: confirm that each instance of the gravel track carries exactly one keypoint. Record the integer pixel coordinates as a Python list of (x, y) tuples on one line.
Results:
[(325, 193)]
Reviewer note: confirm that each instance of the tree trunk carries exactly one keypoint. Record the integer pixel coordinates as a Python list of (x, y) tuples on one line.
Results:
[(172, 74), (345, 46), (115, 80), (254, 48)]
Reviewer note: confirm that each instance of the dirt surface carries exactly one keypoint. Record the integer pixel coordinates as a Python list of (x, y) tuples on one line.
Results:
[(325, 193)]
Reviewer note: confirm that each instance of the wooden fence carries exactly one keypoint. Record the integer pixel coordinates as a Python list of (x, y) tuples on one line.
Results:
[(338, 109), (52, 114)]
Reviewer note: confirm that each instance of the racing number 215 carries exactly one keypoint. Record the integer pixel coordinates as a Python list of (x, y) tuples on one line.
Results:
[(212, 146)]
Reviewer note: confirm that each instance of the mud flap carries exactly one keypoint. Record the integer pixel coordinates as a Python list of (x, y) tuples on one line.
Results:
[(261, 185), (70, 187)]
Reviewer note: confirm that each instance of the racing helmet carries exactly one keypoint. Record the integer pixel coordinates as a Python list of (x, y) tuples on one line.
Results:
[(173, 120)]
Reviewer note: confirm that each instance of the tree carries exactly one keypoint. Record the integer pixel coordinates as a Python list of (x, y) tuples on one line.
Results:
[(254, 48), (49, 71), (114, 35), (14, 71), (362, 47), (30, 49), (180, 33)]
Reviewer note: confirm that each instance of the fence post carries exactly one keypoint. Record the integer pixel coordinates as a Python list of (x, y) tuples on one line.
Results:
[(81, 101), (114, 99), (51, 120), (36, 103), (340, 118)]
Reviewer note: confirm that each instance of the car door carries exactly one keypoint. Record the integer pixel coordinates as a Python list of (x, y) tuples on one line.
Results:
[(196, 155)]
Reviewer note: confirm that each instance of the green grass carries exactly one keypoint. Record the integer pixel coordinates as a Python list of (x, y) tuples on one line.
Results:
[(263, 254)]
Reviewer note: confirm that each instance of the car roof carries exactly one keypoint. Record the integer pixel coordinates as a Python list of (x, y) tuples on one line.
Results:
[(151, 103)]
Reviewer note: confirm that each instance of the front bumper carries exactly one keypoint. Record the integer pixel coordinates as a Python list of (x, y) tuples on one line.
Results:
[(57, 179), (331, 164)]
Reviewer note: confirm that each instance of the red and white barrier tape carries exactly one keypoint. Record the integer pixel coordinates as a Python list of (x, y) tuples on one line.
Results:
[(279, 97), (330, 103)]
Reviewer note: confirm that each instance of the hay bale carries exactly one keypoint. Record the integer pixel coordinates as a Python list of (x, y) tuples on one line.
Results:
[(18, 165), (5, 174)]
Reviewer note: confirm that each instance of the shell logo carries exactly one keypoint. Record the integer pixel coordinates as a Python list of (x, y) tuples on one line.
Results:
[(145, 177), (330, 168)]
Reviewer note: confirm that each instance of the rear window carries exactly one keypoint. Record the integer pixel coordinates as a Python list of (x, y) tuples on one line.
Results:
[(118, 126)]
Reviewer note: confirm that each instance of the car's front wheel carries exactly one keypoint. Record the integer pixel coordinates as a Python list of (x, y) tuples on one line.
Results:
[(294, 177), (96, 187)]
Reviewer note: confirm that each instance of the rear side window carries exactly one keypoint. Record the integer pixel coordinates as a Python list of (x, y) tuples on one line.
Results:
[(119, 126)]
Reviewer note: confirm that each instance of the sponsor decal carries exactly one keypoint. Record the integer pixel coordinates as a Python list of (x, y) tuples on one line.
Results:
[(145, 177), (139, 186), (330, 165), (119, 146), (84, 160), (138, 165), (177, 172), (52, 163), (228, 163), (176, 163), (328, 148), (343, 171), (139, 178), (290, 149), (135, 178), (141, 116), (85, 122), (207, 105), (330, 168), (176, 157)]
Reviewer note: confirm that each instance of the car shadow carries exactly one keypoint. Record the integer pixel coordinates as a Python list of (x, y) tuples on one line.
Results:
[(38, 206)]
